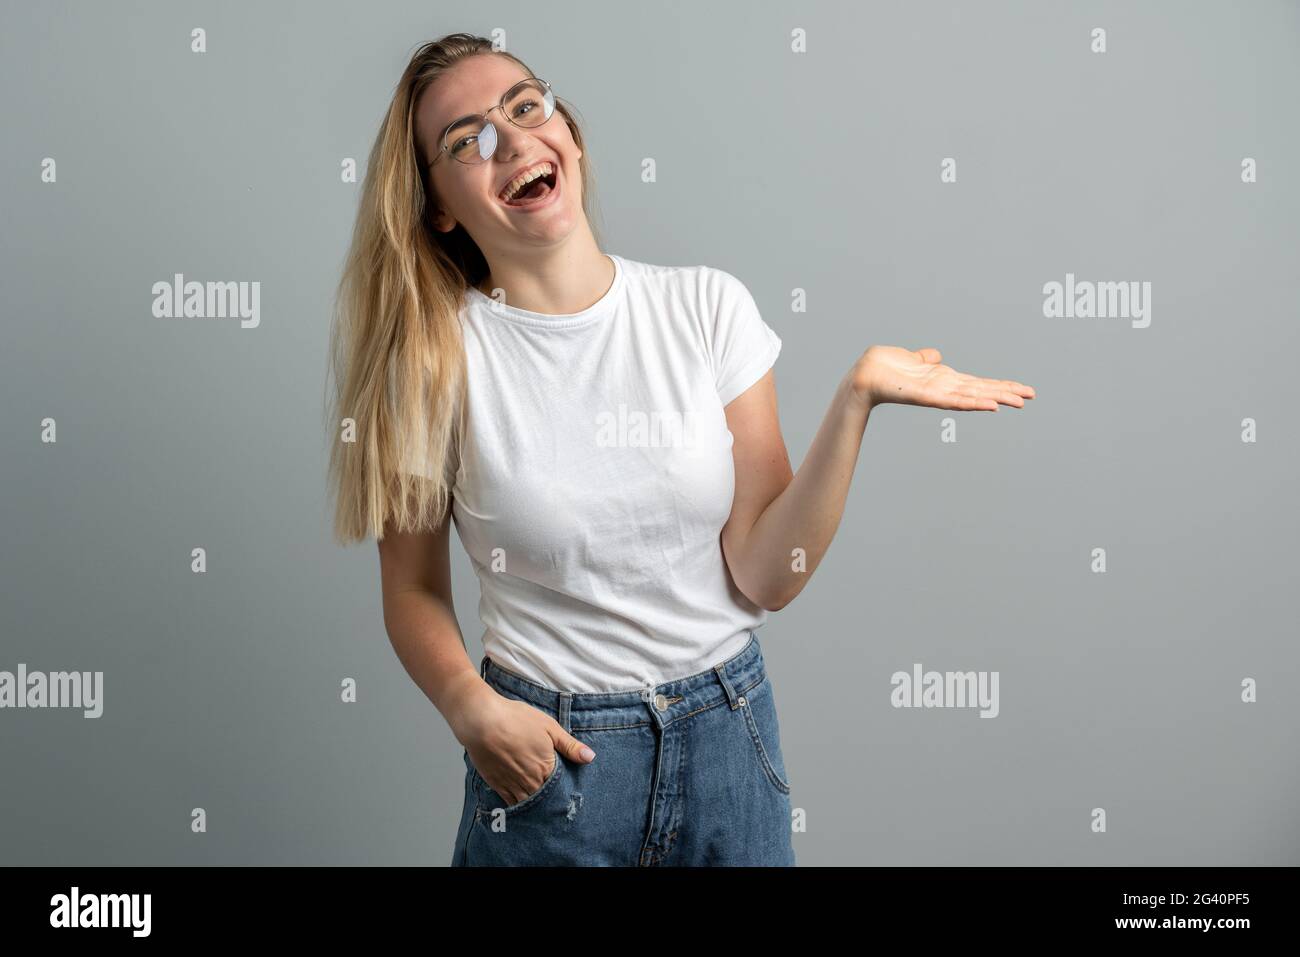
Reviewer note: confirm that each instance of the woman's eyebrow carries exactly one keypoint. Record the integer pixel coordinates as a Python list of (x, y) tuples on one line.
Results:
[(465, 116), (472, 116)]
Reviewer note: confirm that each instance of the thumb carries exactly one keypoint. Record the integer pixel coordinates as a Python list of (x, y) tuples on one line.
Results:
[(929, 355), (569, 746)]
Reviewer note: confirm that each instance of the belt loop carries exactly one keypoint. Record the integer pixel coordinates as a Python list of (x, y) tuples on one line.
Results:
[(726, 686), (562, 709), (482, 668)]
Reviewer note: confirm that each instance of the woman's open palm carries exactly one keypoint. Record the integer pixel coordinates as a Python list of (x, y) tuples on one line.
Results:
[(890, 374)]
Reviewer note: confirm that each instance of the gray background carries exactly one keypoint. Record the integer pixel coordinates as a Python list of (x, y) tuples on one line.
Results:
[(817, 171)]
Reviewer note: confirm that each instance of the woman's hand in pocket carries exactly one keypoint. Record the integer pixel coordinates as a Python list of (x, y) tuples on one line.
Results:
[(514, 746)]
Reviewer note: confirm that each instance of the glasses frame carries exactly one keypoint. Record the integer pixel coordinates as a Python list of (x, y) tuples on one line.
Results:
[(484, 117)]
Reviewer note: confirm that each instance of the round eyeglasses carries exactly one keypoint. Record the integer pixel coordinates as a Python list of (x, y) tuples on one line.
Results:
[(473, 139)]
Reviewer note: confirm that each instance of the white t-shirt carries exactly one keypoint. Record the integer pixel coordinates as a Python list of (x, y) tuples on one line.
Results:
[(597, 474)]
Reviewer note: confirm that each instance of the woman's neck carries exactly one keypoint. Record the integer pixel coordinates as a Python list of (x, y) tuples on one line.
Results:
[(558, 283)]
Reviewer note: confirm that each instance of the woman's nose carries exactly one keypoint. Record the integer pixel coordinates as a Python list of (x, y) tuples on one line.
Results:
[(511, 140)]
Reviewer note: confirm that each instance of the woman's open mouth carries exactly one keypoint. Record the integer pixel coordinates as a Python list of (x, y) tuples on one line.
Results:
[(541, 190)]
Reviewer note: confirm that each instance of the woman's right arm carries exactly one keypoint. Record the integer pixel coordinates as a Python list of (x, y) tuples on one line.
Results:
[(415, 577), (510, 743)]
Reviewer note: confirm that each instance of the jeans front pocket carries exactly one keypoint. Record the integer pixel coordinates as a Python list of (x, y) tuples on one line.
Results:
[(489, 800), (758, 704)]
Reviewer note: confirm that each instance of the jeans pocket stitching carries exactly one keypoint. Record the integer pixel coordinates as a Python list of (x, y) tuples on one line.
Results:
[(768, 769)]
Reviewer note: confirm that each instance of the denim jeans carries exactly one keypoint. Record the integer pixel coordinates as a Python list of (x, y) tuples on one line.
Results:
[(687, 773)]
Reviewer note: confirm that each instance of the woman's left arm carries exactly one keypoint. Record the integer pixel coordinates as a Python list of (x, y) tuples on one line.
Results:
[(782, 523)]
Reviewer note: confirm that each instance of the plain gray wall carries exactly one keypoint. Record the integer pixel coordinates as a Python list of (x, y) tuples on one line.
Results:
[(817, 171)]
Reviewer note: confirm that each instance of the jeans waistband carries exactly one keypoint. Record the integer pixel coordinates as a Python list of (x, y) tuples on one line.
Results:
[(661, 704)]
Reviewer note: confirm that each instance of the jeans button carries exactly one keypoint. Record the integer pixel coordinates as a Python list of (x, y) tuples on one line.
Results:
[(661, 702)]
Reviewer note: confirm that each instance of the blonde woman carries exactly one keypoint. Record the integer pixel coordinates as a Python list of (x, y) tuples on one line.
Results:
[(604, 434)]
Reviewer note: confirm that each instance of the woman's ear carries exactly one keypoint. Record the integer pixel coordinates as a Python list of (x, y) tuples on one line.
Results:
[(442, 221)]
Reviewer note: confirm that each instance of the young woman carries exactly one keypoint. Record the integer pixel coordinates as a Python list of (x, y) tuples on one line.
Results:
[(604, 434)]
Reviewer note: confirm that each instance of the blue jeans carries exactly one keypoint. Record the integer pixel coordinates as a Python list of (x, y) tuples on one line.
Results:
[(687, 773)]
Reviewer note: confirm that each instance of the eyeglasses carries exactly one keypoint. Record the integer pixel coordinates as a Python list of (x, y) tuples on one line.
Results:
[(473, 139)]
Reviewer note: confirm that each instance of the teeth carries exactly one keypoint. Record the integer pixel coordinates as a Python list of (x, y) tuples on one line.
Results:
[(515, 185)]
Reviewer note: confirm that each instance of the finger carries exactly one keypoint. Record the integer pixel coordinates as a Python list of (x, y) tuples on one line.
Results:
[(995, 386), (969, 402), (1018, 388), (1010, 385), (1004, 397), (930, 354), (571, 747), (999, 390)]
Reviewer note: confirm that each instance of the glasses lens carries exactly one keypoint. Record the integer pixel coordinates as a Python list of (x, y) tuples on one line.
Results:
[(472, 140), (529, 104)]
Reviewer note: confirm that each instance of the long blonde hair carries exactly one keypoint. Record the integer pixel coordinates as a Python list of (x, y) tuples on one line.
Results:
[(396, 354)]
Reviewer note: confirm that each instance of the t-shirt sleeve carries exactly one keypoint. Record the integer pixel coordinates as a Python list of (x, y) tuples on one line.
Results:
[(743, 346)]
